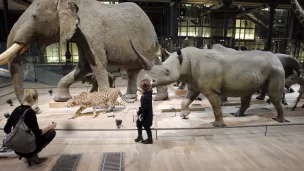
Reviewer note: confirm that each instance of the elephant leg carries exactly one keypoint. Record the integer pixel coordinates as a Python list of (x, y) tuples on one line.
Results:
[(263, 92), (298, 99), (99, 69), (132, 84), (215, 101), (224, 100), (275, 93), (94, 87), (95, 83), (63, 93), (245, 104), (111, 80), (162, 91), (190, 97)]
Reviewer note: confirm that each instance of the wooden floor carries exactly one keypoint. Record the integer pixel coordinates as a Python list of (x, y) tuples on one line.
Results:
[(234, 149)]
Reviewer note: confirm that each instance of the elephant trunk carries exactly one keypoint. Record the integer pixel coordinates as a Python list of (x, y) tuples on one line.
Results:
[(9, 56), (299, 13), (146, 63)]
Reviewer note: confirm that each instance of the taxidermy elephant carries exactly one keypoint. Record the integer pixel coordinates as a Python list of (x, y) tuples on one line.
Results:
[(101, 32), (213, 73)]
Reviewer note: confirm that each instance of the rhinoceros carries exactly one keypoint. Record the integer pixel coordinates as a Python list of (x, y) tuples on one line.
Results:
[(289, 63), (215, 73)]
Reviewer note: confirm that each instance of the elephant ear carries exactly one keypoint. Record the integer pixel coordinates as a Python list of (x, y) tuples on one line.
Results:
[(68, 19)]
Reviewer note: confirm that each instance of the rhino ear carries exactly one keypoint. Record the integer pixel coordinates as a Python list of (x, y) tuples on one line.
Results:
[(179, 52), (180, 56)]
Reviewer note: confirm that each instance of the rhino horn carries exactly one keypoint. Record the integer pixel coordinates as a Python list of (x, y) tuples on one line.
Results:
[(146, 63), (168, 53)]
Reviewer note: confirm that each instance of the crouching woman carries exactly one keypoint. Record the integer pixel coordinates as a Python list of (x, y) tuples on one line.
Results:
[(145, 113), (43, 136)]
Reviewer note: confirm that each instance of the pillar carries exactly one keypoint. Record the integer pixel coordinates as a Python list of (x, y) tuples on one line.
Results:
[(270, 28), (68, 53), (5, 6), (173, 21)]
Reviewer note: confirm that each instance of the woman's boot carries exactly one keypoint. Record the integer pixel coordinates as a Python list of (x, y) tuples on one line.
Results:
[(36, 160)]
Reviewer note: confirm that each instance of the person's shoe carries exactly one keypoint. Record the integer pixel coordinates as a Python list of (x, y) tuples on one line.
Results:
[(139, 139), (36, 160), (147, 141)]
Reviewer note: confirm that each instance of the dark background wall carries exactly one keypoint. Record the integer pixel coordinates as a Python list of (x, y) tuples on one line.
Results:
[(12, 17)]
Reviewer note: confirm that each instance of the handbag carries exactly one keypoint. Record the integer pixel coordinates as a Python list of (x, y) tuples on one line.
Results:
[(21, 139)]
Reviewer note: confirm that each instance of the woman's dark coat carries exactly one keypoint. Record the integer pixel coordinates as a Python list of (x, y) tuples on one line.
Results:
[(146, 109)]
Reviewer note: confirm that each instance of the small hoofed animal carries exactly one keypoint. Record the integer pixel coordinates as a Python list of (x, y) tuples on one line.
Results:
[(106, 98), (296, 78)]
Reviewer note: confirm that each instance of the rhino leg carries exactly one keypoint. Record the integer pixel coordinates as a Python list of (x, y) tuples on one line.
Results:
[(215, 101), (263, 92), (245, 104), (284, 102), (190, 97), (275, 93)]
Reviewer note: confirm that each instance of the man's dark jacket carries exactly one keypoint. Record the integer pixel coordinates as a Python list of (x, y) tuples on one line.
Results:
[(146, 109)]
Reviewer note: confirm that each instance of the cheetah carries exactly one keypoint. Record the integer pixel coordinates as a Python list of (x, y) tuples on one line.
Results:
[(105, 97)]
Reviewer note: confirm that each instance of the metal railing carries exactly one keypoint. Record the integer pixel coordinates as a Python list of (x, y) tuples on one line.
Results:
[(191, 128)]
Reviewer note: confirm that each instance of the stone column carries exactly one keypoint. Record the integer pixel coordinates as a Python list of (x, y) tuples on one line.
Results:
[(5, 6), (270, 28)]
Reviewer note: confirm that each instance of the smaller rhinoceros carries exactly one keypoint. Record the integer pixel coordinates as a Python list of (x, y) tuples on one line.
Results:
[(214, 74)]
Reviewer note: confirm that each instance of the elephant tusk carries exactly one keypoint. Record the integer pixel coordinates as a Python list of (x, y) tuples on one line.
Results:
[(24, 48), (4, 57)]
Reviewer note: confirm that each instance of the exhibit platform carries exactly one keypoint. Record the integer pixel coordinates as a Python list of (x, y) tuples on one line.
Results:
[(166, 113), (177, 91), (177, 150), (54, 104)]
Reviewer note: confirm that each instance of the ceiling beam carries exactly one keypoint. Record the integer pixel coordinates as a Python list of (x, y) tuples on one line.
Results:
[(251, 11)]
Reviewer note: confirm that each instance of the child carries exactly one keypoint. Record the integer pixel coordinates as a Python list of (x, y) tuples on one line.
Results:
[(145, 112)]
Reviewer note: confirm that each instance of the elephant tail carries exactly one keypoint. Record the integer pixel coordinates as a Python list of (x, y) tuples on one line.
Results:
[(123, 98)]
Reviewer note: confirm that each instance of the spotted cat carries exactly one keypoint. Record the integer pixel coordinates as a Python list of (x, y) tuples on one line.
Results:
[(103, 98)]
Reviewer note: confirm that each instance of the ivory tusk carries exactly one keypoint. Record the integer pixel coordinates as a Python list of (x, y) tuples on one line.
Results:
[(24, 48), (11, 51)]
